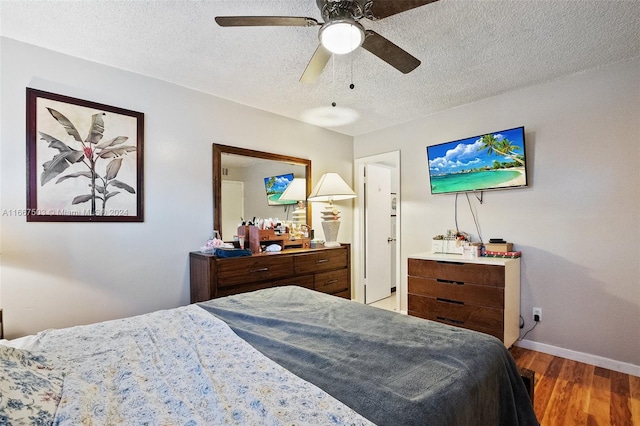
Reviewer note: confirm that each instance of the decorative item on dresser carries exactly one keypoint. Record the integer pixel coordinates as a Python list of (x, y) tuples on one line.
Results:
[(255, 239), (481, 294), (327, 270)]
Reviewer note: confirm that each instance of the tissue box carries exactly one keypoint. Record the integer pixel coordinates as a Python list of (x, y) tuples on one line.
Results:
[(316, 244), (447, 246), (504, 247)]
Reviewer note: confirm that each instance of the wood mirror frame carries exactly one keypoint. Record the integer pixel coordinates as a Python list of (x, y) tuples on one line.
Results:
[(218, 150)]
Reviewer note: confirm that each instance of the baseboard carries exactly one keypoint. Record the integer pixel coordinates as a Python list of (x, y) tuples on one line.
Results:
[(598, 361)]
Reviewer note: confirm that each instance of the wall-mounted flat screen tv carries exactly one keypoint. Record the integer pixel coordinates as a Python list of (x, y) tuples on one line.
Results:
[(491, 161), (275, 186)]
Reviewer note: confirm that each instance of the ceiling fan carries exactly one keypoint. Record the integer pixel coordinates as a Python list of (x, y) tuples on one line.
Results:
[(342, 32)]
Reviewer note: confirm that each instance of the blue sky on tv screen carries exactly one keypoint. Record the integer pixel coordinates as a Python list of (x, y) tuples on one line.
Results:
[(465, 154), (281, 182)]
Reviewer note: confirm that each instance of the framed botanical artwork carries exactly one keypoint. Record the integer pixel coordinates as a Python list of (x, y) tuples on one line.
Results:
[(84, 161)]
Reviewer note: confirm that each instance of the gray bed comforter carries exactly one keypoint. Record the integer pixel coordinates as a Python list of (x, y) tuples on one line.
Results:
[(393, 369)]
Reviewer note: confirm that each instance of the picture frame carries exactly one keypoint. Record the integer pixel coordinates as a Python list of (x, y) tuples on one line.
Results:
[(84, 160)]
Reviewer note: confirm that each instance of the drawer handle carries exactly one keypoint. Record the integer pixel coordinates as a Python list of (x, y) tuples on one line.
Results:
[(449, 282), (450, 263), (322, 260), (450, 320), (330, 282), (440, 299), (259, 270)]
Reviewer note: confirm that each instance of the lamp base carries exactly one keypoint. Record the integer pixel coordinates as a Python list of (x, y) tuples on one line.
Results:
[(331, 244), (330, 228), (300, 215)]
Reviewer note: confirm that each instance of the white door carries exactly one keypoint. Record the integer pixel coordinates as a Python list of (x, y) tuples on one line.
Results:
[(377, 229), (232, 192)]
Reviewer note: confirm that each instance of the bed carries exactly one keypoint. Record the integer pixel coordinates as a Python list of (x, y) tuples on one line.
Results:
[(279, 356)]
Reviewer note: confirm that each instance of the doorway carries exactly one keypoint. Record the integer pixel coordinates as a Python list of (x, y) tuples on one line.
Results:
[(377, 229), (233, 208)]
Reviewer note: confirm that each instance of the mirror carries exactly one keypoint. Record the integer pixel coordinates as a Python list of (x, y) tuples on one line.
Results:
[(239, 186)]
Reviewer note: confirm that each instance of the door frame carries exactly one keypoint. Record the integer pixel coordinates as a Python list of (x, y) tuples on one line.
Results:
[(391, 160)]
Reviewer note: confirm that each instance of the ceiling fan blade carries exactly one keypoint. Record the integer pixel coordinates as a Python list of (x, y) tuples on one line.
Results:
[(265, 21), (383, 8), (389, 52), (315, 66)]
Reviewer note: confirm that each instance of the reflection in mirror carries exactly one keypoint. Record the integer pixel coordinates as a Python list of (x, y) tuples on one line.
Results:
[(250, 190), (248, 183)]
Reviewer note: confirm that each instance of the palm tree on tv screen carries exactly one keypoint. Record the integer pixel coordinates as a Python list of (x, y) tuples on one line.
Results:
[(502, 147)]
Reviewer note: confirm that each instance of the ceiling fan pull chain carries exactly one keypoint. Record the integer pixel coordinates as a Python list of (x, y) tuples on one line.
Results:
[(333, 70), (351, 86)]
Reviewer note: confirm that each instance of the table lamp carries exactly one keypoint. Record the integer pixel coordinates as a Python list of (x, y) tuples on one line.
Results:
[(297, 191), (331, 187)]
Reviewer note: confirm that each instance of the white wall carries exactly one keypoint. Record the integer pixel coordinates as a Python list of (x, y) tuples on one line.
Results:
[(62, 274), (578, 224)]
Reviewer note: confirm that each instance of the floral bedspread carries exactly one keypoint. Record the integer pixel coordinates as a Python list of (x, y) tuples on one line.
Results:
[(180, 366)]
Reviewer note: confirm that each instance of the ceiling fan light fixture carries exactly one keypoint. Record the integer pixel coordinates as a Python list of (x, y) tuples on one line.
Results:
[(341, 36)]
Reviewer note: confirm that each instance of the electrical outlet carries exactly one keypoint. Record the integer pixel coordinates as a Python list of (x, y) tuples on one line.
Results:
[(537, 312)]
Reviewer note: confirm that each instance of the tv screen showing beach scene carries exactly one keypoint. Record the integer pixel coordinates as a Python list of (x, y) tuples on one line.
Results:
[(490, 161), (275, 186)]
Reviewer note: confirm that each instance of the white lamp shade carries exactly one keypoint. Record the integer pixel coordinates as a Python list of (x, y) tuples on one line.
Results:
[(295, 191), (331, 187), (342, 36)]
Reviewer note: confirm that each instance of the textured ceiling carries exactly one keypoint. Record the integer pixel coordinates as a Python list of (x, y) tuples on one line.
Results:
[(469, 50)]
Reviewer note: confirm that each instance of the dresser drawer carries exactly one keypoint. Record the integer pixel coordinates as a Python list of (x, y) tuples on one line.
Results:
[(301, 281), (242, 270), (472, 294), (322, 260), (332, 282), (458, 271), (344, 294), (467, 316), (494, 331)]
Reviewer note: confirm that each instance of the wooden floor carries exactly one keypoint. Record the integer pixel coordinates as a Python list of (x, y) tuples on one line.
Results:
[(572, 393)]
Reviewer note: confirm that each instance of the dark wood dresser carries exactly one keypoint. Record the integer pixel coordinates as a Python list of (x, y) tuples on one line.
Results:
[(481, 294), (326, 269)]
